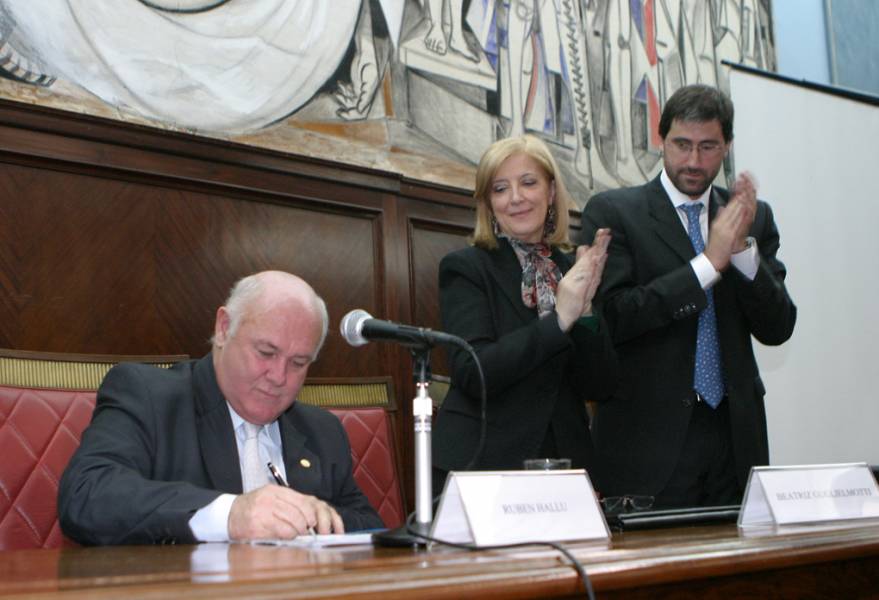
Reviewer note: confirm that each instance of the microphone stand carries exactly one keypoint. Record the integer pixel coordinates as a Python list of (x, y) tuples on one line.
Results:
[(422, 409)]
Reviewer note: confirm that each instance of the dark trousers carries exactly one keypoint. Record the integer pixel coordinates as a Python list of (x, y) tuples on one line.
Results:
[(705, 474)]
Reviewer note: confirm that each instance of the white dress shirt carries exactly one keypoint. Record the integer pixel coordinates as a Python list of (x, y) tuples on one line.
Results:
[(211, 523)]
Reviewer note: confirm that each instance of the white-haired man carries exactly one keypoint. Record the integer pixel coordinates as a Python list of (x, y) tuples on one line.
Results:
[(180, 455)]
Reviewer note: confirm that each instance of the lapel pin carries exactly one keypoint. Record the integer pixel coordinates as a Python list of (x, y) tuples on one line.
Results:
[(305, 462)]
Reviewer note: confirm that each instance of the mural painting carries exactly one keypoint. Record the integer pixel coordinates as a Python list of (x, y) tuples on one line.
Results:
[(413, 87)]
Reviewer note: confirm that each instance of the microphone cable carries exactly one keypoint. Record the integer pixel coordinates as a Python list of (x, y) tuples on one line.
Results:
[(576, 564), (483, 412), (483, 404)]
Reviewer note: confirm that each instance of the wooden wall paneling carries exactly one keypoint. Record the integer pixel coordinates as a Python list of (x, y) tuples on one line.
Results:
[(399, 309), (105, 141), (430, 243), (435, 228), (70, 253), (416, 223), (105, 266), (179, 172), (183, 174), (118, 238)]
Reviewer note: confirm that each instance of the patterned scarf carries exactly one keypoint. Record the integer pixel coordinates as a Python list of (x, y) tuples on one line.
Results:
[(540, 275)]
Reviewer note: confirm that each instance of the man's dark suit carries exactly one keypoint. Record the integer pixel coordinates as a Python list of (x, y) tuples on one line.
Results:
[(161, 446), (535, 373), (651, 300)]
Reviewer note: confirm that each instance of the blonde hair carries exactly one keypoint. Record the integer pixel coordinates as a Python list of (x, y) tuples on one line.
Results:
[(492, 158)]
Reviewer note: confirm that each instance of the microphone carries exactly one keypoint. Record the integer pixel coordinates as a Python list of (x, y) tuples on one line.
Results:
[(358, 327)]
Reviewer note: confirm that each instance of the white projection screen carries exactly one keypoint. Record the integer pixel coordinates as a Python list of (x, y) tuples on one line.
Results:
[(814, 153)]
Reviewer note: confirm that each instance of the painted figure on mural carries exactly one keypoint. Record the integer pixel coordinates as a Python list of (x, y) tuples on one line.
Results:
[(217, 66), (588, 76), (530, 44), (447, 29), (367, 68), (562, 29)]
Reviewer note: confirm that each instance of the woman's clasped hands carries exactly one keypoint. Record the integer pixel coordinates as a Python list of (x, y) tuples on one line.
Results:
[(577, 288)]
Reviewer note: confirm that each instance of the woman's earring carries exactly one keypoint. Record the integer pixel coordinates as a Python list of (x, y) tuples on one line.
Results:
[(549, 224), (496, 229)]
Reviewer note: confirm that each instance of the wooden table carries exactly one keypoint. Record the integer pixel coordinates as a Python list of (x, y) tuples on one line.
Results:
[(691, 562)]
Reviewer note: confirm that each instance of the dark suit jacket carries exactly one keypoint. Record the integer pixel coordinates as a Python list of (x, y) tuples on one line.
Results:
[(161, 445), (652, 299), (535, 373)]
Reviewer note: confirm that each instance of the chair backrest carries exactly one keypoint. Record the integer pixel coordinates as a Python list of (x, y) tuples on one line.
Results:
[(365, 407), (46, 401)]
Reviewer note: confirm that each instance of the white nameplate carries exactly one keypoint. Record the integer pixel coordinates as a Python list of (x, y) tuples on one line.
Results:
[(809, 494), (487, 508)]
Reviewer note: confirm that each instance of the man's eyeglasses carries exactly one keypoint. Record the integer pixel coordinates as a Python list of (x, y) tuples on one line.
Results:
[(623, 504), (685, 147)]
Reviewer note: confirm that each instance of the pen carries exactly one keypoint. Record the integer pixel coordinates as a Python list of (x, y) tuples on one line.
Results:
[(280, 480)]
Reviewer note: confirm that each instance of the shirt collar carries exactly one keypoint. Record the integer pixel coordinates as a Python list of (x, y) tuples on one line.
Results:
[(677, 197), (271, 429)]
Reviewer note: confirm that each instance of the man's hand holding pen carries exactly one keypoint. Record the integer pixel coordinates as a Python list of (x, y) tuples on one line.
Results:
[(280, 512)]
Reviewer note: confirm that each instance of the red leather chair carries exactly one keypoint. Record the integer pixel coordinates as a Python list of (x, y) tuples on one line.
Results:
[(46, 401), (364, 406)]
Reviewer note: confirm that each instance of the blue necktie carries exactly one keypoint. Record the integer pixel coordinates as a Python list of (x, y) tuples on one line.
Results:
[(708, 378)]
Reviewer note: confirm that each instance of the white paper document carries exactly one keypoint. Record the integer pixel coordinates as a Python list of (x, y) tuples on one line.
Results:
[(322, 541)]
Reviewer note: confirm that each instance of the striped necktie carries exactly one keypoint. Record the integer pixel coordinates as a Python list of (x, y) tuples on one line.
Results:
[(254, 472)]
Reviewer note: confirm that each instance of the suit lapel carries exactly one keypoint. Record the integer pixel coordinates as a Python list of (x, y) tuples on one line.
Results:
[(215, 430), (302, 465), (504, 268), (718, 198), (724, 292), (666, 222)]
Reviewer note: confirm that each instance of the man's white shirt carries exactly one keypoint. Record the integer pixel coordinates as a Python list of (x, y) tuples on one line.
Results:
[(211, 523)]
